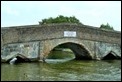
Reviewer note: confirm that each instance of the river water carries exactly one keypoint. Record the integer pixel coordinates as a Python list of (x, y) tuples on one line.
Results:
[(63, 70)]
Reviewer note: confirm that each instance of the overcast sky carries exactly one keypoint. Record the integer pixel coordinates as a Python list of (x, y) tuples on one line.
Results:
[(93, 13)]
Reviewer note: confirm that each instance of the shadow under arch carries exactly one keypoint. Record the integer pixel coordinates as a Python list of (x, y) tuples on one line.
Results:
[(110, 56), (20, 58), (79, 50)]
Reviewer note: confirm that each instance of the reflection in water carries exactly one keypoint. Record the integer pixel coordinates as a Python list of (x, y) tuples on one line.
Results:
[(63, 70), (67, 71)]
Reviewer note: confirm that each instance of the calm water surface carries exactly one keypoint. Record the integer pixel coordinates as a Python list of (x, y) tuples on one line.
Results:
[(63, 71)]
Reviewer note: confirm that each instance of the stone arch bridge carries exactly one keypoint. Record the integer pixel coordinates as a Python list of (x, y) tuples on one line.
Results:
[(35, 42)]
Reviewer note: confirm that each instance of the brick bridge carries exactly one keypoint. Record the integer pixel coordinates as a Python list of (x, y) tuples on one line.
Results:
[(35, 42)]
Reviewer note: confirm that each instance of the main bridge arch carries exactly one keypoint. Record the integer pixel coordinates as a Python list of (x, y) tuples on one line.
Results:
[(80, 50)]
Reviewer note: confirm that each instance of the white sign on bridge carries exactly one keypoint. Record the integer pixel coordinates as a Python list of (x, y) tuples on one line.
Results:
[(69, 33)]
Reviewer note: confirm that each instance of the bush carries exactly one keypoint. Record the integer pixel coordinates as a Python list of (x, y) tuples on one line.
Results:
[(106, 27), (60, 19)]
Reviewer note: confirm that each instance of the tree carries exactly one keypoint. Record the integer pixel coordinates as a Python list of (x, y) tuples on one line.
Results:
[(106, 27), (60, 19)]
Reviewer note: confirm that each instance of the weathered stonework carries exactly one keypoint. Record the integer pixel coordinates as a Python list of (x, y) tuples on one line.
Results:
[(104, 48), (94, 48), (29, 50), (36, 41)]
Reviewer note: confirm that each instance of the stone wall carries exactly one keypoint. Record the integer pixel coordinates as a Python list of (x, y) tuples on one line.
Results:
[(36, 41), (29, 50), (44, 32), (103, 49)]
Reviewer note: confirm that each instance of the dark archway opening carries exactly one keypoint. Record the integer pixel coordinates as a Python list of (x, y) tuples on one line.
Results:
[(76, 51), (110, 56), (19, 59)]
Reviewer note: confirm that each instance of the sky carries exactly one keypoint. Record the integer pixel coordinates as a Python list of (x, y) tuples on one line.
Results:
[(93, 13)]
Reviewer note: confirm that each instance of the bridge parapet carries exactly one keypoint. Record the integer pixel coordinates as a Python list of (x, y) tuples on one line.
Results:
[(52, 31)]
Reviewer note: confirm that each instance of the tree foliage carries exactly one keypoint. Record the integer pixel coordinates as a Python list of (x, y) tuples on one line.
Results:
[(60, 19), (106, 27)]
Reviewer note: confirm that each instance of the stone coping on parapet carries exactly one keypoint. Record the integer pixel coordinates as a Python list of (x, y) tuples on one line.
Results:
[(59, 24)]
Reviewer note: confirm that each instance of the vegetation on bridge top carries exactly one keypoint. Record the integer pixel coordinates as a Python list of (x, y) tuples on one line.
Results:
[(106, 27), (71, 19), (60, 19)]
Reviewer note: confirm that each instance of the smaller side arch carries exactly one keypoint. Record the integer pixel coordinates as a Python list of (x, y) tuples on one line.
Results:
[(110, 55), (19, 58)]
